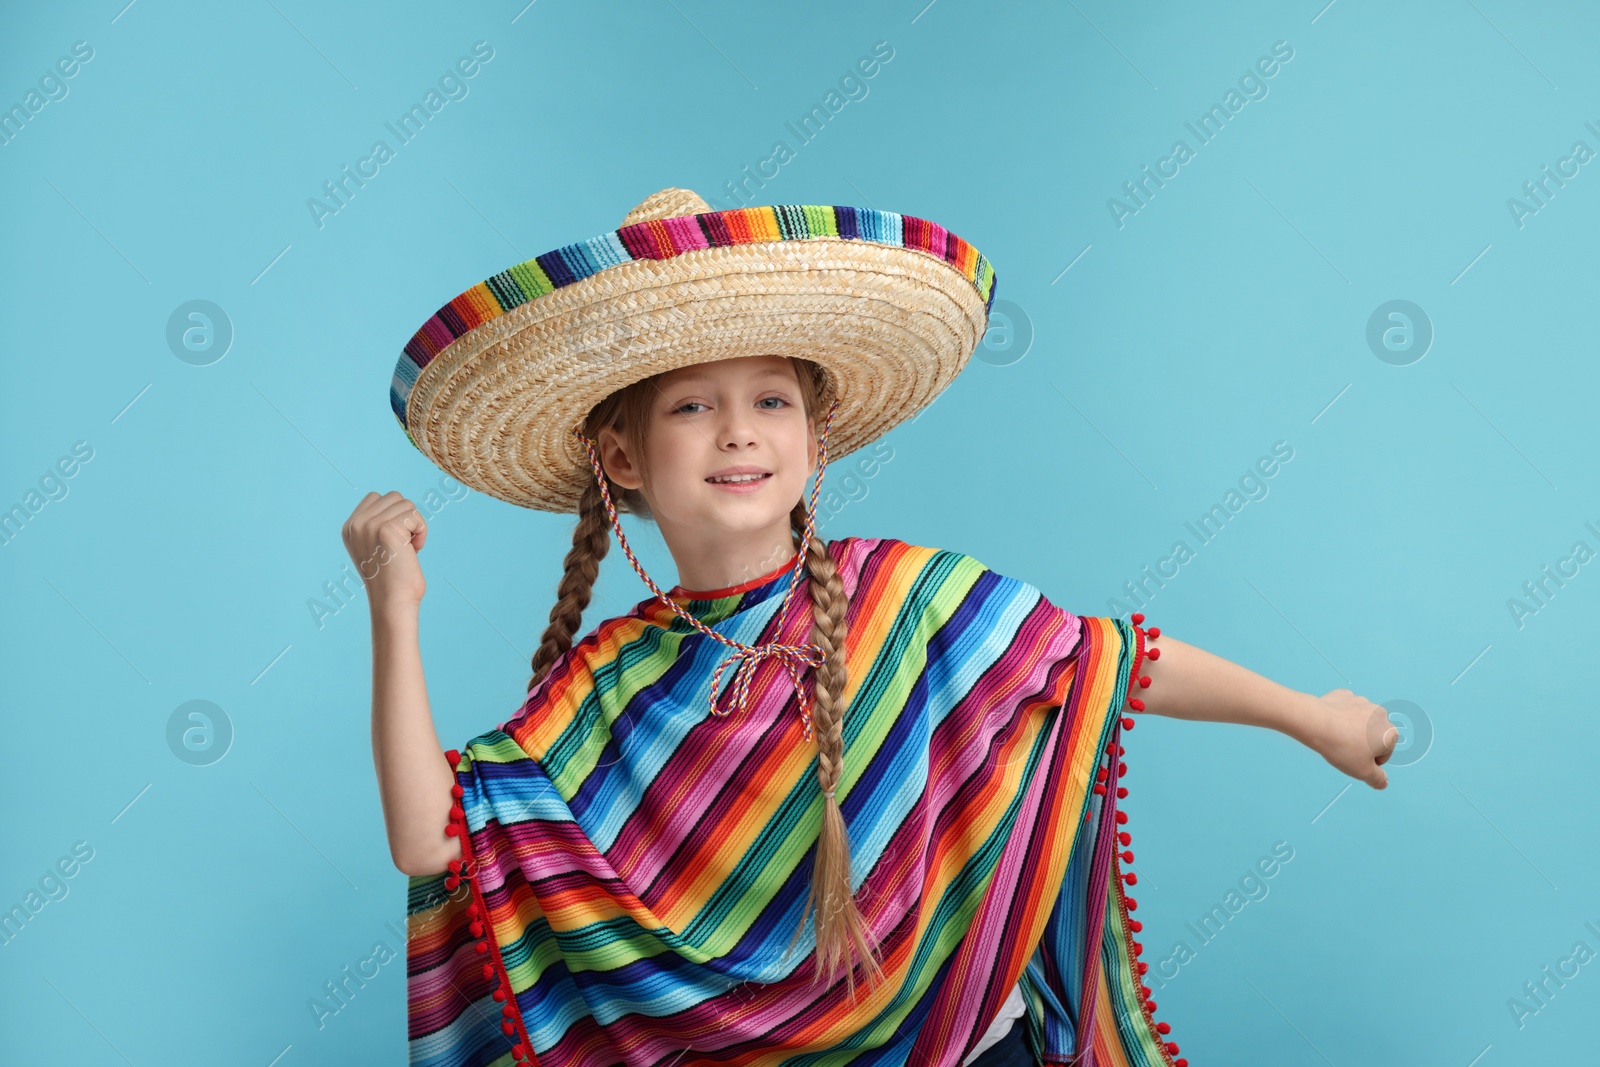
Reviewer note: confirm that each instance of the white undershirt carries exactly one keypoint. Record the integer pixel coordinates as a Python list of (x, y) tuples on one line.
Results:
[(1012, 1009)]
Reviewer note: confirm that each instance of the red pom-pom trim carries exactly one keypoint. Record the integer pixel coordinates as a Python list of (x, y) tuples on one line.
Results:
[(493, 967), (453, 757), (1132, 926), (1108, 777)]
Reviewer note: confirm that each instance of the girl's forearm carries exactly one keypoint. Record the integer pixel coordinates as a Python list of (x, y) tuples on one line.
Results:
[(1187, 682), (414, 778)]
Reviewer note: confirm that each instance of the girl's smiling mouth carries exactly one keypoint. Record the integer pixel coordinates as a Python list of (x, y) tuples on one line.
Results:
[(741, 483), (739, 479)]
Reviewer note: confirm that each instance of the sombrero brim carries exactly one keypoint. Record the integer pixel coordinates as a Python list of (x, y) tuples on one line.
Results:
[(492, 385)]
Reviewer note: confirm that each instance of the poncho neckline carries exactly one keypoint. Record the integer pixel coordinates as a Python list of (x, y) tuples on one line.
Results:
[(679, 593)]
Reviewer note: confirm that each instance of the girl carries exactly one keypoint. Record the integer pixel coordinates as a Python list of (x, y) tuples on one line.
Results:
[(903, 761)]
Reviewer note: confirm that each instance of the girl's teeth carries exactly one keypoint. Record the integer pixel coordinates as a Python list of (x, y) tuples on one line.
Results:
[(740, 478)]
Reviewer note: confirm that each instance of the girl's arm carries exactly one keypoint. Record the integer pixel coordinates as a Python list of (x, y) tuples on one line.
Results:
[(1187, 682), (414, 779), (383, 535)]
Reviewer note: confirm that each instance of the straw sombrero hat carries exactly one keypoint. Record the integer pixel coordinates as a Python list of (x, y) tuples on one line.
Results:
[(493, 385)]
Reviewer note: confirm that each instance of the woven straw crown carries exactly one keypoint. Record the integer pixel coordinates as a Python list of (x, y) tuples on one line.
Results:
[(491, 386)]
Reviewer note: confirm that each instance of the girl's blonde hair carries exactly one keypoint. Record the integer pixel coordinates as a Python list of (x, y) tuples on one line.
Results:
[(839, 921)]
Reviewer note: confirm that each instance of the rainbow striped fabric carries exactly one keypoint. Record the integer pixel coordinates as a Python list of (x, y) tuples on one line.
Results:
[(636, 867), (664, 239)]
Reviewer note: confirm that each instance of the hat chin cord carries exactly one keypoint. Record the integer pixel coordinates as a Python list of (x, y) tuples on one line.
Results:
[(795, 657)]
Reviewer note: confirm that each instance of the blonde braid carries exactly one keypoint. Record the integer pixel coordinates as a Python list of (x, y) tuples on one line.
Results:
[(591, 540), (840, 924)]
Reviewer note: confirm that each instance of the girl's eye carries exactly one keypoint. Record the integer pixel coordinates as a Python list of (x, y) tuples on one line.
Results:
[(777, 402)]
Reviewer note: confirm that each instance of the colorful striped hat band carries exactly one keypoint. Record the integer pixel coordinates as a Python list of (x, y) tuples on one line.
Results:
[(795, 657), (889, 306)]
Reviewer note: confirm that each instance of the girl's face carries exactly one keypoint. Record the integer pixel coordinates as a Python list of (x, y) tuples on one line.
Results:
[(714, 420)]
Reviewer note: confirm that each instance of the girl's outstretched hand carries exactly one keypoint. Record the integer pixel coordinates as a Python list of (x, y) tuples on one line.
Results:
[(383, 536), (1356, 736)]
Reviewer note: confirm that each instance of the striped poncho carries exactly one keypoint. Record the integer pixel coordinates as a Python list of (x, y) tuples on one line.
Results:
[(634, 867)]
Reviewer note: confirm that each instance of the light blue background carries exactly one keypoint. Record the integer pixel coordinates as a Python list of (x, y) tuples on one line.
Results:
[(1229, 313)]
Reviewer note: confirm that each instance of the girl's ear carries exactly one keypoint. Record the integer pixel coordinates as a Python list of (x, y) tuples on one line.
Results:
[(615, 461)]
